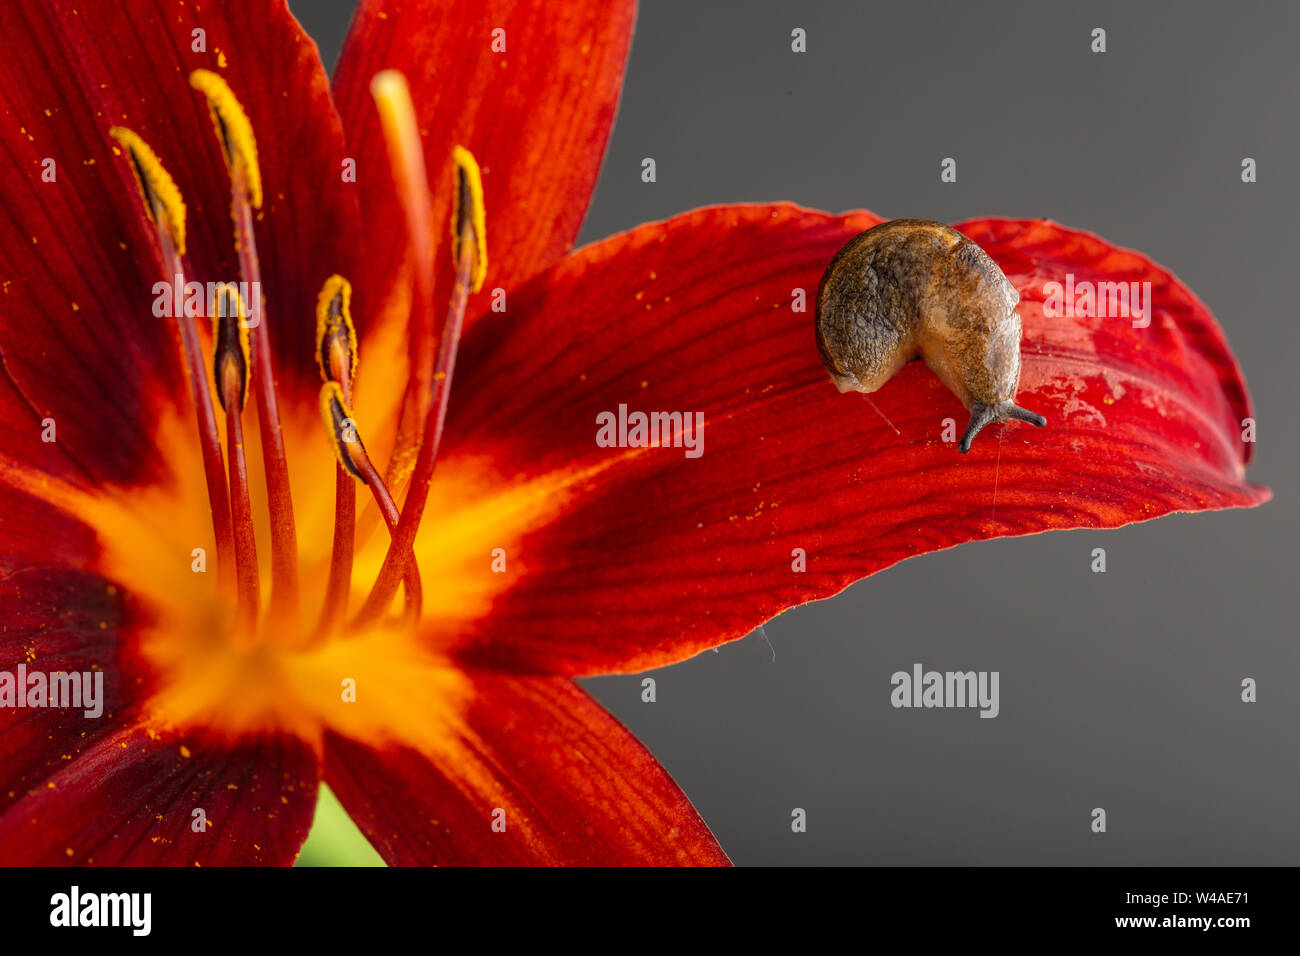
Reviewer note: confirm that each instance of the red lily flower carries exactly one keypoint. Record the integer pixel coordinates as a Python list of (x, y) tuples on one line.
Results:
[(450, 726)]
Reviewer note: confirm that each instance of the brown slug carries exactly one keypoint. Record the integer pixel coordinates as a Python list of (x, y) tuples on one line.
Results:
[(909, 289)]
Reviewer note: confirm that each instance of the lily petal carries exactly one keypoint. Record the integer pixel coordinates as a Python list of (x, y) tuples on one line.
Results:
[(132, 798), (646, 556), (566, 783), (535, 115)]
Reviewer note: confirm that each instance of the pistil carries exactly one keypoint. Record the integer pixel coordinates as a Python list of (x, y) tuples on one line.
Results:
[(410, 180)]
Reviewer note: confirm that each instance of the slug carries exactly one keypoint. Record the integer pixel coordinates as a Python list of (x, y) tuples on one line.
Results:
[(909, 289)]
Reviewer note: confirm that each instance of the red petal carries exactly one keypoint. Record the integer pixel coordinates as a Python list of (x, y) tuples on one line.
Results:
[(78, 341), (129, 797), (54, 621), (78, 259), (656, 556), (536, 118), (575, 788)]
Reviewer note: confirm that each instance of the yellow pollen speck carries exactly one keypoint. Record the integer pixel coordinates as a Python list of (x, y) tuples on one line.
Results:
[(233, 130), (185, 751), (221, 59), (75, 307), (48, 113), (156, 185)]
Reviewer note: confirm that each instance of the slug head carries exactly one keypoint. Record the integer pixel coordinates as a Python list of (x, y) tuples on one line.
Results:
[(971, 337)]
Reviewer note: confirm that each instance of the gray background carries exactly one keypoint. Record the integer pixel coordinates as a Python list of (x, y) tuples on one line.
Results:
[(1118, 690)]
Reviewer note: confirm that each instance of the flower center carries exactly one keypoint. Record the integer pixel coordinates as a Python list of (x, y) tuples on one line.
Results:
[(241, 363)]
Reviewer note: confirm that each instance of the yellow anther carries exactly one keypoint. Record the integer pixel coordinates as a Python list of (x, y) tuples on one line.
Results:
[(234, 131), (340, 427), (469, 206), (157, 187), (334, 325), (230, 341)]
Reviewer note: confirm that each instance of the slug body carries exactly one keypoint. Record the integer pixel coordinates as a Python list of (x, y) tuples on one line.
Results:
[(911, 289)]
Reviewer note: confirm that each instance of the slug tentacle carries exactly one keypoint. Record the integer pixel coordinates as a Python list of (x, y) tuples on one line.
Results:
[(910, 289), (981, 415)]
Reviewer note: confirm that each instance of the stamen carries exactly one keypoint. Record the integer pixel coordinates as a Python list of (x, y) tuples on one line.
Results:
[(406, 159), (352, 456), (230, 366), (336, 354), (240, 149), (471, 267), (163, 203)]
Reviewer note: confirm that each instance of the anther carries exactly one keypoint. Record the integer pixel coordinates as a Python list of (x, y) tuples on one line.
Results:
[(162, 199), (230, 343), (234, 131), (336, 338), (342, 430), (468, 211)]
